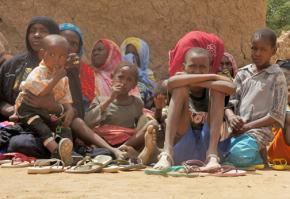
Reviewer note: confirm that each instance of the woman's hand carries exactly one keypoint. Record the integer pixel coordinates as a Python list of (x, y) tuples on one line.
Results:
[(73, 61), (46, 102)]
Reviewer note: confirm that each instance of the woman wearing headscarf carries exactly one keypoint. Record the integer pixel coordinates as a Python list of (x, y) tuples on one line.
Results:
[(136, 50), (228, 66), (15, 70), (97, 79), (212, 43), (74, 36)]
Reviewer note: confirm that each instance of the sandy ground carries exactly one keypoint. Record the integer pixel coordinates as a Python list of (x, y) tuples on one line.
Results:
[(15, 183)]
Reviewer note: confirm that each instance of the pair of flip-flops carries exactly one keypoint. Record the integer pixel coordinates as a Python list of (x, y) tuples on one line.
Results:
[(195, 168), (280, 164), (90, 165), (16, 160)]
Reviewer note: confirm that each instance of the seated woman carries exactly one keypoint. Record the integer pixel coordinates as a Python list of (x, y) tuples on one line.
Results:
[(116, 120), (136, 50), (96, 80)]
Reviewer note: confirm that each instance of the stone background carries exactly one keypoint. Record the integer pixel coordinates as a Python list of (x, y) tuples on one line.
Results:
[(160, 22)]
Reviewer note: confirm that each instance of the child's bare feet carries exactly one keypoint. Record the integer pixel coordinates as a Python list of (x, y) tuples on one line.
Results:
[(120, 155), (131, 152), (150, 145)]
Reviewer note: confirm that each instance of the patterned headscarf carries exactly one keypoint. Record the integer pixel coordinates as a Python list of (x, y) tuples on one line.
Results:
[(103, 74), (76, 29), (213, 44), (143, 52), (234, 64)]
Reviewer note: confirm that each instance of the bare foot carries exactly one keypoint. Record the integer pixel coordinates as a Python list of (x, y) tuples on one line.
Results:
[(212, 164), (131, 152), (120, 155), (165, 161), (150, 138)]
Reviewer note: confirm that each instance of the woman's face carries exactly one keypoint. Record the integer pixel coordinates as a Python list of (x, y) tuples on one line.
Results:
[(99, 55), (73, 40), (36, 33), (226, 64), (131, 49)]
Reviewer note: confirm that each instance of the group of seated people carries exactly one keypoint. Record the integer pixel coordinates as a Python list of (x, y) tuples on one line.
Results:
[(208, 109)]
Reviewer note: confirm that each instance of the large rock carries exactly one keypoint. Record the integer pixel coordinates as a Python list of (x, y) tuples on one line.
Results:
[(161, 23)]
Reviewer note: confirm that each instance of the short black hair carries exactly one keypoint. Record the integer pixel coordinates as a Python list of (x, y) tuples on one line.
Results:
[(267, 34), (131, 66)]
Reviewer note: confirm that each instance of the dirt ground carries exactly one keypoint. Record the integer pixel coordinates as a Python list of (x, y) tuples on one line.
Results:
[(16, 183)]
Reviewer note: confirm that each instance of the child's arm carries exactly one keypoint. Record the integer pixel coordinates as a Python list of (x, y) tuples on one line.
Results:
[(220, 85), (262, 122), (191, 79), (93, 116), (60, 73)]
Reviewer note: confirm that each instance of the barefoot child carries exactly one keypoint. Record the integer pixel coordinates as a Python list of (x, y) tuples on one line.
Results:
[(48, 77), (115, 118), (190, 93), (259, 103)]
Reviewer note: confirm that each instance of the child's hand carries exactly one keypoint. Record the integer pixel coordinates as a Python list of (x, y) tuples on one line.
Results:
[(73, 61), (236, 122), (160, 101), (224, 78), (116, 90)]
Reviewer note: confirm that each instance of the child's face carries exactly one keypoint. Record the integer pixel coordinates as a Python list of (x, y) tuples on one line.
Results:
[(197, 65), (127, 78), (226, 64), (36, 33), (73, 40), (262, 51), (99, 55), (55, 57)]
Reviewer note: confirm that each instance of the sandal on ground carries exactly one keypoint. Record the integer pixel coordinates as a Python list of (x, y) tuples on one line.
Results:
[(280, 164), (181, 171), (154, 171), (65, 147), (102, 160), (18, 160), (45, 166), (85, 166), (229, 171)]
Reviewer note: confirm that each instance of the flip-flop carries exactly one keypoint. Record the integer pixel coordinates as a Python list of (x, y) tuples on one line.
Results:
[(18, 160), (111, 169), (181, 171), (40, 166), (102, 160), (229, 171), (65, 147), (85, 166)]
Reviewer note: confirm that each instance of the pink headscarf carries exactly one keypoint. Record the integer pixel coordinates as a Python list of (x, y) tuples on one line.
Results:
[(234, 64), (213, 44), (103, 74)]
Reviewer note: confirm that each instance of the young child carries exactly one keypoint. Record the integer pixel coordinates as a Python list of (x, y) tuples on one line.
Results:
[(190, 93), (48, 77), (259, 103), (280, 147), (117, 118)]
